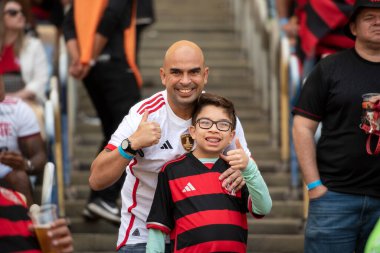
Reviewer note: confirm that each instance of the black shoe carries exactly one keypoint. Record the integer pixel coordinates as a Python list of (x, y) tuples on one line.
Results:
[(104, 209), (88, 215)]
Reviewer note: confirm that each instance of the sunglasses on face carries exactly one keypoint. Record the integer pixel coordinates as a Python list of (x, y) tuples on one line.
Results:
[(13, 12)]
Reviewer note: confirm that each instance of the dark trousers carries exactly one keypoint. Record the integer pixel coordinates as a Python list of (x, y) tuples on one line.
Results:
[(113, 91)]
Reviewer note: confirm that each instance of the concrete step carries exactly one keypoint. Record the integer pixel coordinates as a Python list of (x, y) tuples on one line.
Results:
[(276, 243), (228, 56), (211, 54), (275, 226), (194, 26)]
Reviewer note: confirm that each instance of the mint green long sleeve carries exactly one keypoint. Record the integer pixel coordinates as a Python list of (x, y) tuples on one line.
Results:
[(156, 241), (257, 188)]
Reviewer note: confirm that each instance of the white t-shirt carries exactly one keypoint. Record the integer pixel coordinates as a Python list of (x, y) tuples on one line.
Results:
[(17, 120), (142, 172)]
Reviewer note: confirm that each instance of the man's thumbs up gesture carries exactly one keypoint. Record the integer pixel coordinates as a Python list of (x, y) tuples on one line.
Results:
[(148, 133)]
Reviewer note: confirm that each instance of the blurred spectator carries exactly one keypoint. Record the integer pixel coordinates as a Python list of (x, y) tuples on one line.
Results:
[(341, 172), (23, 61), (22, 148), (16, 227), (105, 59), (318, 34)]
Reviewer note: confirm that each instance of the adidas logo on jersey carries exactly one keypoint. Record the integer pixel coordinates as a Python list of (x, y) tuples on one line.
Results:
[(166, 145), (188, 188), (136, 232)]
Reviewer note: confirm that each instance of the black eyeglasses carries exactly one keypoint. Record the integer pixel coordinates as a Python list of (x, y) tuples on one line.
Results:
[(13, 12), (221, 125)]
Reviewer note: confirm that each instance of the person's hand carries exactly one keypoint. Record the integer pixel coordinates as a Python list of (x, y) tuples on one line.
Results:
[(147, 134), (317, 192), (76, 68), (291, 30), (238, 160), (61, 237), (13, 159), (79, 70), (85, 69)]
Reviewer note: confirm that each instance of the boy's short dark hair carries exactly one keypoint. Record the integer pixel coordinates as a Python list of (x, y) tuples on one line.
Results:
[(215, 100)]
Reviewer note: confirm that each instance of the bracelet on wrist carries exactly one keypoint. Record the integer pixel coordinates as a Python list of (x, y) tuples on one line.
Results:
[(314, 184), (125, 154)]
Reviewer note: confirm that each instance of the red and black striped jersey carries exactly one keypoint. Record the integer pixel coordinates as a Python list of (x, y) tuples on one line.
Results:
[(200, 215), (321, 29), (14, 222)]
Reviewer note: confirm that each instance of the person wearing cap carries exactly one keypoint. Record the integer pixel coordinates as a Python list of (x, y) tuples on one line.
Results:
[(342, 177)]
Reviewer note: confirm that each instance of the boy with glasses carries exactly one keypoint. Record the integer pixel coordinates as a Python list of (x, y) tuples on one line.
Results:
[(190, 202)]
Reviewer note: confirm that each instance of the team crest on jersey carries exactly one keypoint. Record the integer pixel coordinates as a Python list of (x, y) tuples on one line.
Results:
[(187, 142)]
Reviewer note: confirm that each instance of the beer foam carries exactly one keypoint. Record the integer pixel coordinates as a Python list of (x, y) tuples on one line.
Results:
[(42, 226)]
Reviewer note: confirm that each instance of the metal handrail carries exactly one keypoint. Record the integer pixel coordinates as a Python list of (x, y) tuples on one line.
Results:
[(58, 152)]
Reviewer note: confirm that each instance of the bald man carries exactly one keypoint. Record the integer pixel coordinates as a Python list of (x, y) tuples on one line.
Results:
[(156, 131)]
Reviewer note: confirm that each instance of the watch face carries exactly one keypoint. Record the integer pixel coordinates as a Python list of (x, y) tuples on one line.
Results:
[(124, 144)]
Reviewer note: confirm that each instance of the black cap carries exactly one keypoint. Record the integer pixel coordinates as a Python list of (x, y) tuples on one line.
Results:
[(359, 4)]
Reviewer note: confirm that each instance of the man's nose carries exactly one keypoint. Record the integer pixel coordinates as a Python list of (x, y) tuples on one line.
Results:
[(186, 79)]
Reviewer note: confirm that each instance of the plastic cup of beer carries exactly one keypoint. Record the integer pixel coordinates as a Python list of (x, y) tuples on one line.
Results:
[(42, 218)]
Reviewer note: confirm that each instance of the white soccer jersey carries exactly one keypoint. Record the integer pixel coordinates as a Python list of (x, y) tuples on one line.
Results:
[(142, 172), (17, 120)]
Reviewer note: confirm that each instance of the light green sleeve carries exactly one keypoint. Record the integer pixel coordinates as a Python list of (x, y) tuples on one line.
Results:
[(257, 188), (373, 243), (156, 241)]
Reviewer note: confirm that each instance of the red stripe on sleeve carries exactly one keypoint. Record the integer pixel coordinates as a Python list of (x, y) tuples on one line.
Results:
[(110, 147), (211, 217), (157, 226), (308, 113)]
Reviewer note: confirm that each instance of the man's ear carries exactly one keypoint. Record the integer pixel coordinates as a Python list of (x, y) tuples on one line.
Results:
[(206, 75), (162, 76), (353, 28)]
